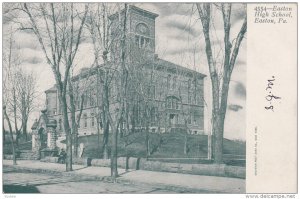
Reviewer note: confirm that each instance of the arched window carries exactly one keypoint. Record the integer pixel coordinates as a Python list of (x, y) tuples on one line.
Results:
[(85, 120), (142, 39), (172, 102), (168, 81)]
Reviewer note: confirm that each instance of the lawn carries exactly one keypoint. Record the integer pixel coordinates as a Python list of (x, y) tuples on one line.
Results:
[(167, 145)]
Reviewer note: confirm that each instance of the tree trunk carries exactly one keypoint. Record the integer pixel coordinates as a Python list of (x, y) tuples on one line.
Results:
[(121, 129), (76, 143), (105, 140), (3, 133), (218, 141), (67, 131), (220, 95), (98, 134), (185, 144), (114, 154), (147, 141), (69, 152), (11, 137), (24, 128)]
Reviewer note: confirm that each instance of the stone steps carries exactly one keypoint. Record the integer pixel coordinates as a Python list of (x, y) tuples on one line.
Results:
[(27, 155)]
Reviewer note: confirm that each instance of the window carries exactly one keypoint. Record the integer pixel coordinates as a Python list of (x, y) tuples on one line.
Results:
[(137, 40), (174, 82), (85, 120), (85, 99), (168, 81), (151, 92), (92, 97), (195, 91), (78, 125), (172, 103), (190, 118), (189, 97), (143, 29), (142, 39), (152, 114), (189, 84), (89, 96), (59, 124), (139, 112), (169, 103), (54, 111), (92, 120), (142, 42)]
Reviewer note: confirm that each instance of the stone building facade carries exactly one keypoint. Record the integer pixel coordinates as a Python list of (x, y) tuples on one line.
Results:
[(175, 93)]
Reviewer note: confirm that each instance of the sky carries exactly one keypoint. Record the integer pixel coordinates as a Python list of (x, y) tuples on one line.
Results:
[(179, 39)]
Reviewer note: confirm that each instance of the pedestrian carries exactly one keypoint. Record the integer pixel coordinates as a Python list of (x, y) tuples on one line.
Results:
[(62, 156)]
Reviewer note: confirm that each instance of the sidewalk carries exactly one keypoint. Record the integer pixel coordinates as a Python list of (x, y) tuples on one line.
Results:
[(196, 182)]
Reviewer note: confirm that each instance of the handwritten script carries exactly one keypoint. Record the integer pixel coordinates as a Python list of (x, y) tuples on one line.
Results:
[(270, 96)]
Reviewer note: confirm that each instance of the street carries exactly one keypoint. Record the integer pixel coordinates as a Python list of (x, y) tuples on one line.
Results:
[(20, 181)]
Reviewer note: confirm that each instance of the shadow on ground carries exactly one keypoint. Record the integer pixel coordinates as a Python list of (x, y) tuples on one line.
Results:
[(19, 189)]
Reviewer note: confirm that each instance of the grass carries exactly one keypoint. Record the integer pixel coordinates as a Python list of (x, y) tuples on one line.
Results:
[(167, 145), (23, 144)]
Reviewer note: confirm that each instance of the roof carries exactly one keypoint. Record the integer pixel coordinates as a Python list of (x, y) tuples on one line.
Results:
[(171, 65), (52, 89), (35, 125), (158, 61), (137, 9)]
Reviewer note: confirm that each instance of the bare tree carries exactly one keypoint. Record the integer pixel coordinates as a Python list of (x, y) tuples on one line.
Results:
[(19, 88), (220, 83), (99, 27), (58, 28), (6, 88), (11, 135), (121, 83), (26, 95), (75, 121)]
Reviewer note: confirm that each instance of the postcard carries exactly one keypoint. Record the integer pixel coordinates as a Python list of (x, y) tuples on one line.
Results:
[(149, 98)]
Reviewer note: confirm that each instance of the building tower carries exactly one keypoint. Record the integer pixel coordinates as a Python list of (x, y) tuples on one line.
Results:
[(140, 33)]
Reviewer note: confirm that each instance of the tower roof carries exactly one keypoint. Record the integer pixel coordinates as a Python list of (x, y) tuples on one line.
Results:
[(138, 10)]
